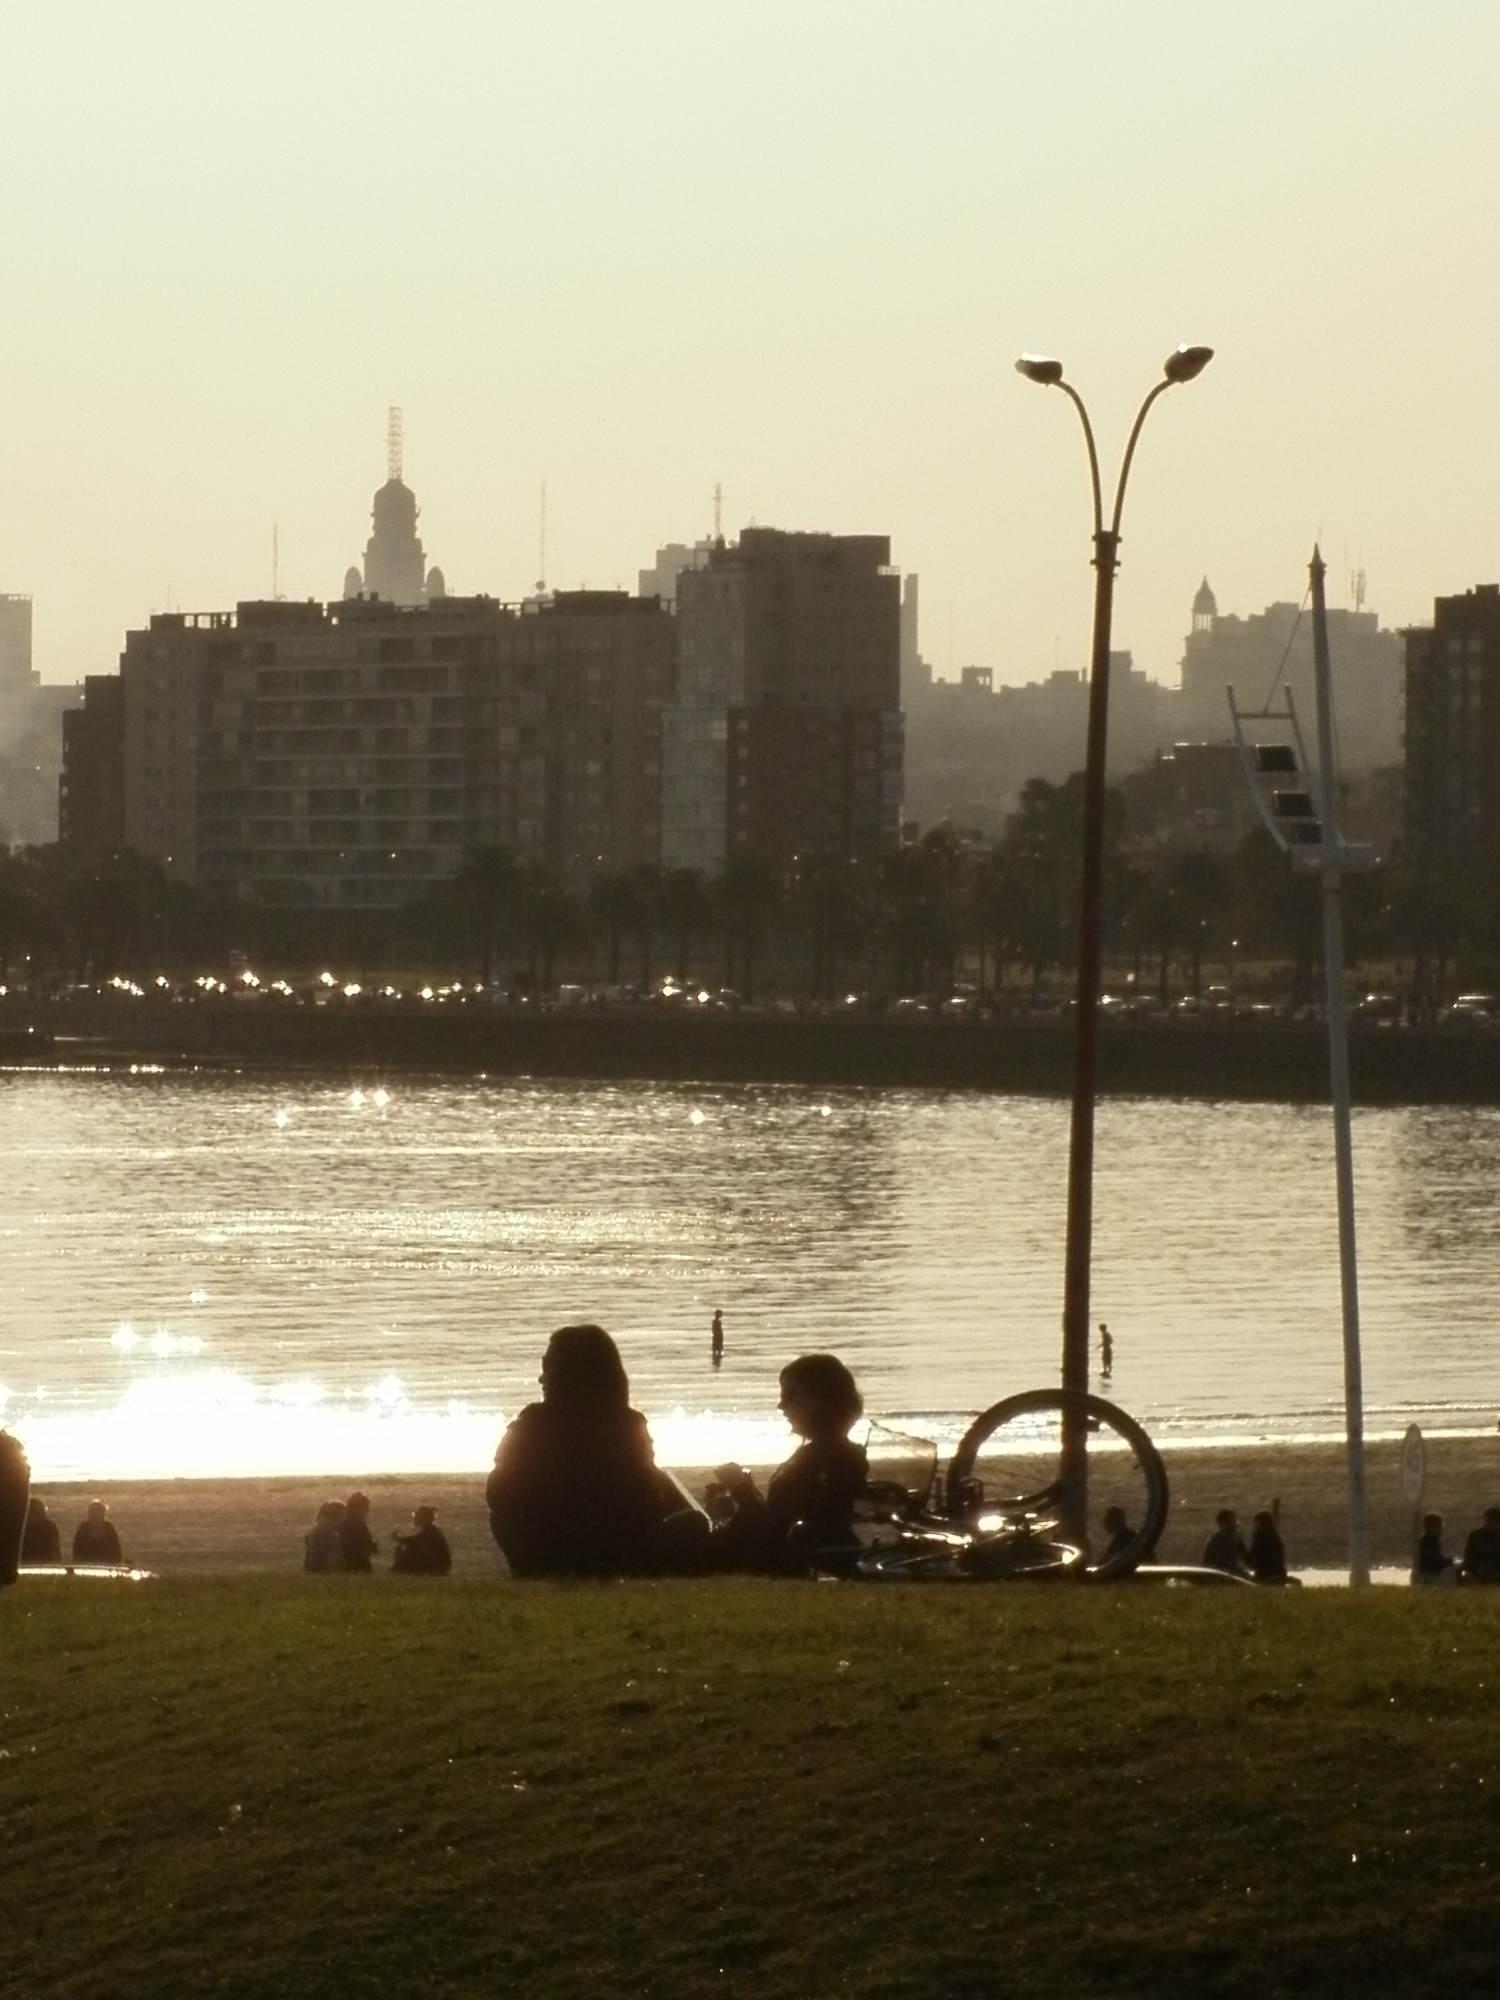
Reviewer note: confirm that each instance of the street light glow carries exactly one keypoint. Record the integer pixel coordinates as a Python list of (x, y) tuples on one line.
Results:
[(1040, 368), (1183, 363)]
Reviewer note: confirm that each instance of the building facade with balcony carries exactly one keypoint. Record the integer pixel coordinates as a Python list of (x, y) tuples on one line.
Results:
[(348, 755), (785, 737)]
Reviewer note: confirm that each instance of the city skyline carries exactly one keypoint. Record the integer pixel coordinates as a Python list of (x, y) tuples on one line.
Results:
[(566, 246)]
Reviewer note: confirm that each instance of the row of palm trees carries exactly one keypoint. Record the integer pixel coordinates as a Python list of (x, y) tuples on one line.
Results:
[(939, 913)]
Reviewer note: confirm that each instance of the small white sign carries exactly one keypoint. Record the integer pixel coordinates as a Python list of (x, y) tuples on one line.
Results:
[(1413, 1465)]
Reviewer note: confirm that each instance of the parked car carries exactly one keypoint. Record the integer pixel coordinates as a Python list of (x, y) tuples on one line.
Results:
[(1473, 1010)]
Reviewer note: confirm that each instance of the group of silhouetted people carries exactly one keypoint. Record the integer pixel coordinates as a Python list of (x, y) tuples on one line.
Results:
[(95, 1540), (340, 1540), (1261, 1560), (576, 1490), (1480, 1562)]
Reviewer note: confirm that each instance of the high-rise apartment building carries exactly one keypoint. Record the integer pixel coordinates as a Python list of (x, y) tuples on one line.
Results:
[(31, 712), (1452, 793), (785, 736), (91, 787), (348, 755), (15, 644)]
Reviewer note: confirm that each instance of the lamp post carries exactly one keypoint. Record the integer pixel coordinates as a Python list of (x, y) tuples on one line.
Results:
[(1182, 365)]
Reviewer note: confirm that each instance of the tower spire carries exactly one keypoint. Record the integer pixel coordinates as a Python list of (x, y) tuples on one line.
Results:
[(393, 442)]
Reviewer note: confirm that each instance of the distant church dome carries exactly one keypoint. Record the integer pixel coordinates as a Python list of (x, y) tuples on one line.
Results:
[(1205, 604), (395, 567), (437, 583)]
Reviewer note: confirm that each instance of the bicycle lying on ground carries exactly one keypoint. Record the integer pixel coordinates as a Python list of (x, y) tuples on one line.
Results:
[(992, 1516)]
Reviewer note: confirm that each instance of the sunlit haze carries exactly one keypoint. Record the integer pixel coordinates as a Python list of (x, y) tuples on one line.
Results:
[(791, 249)]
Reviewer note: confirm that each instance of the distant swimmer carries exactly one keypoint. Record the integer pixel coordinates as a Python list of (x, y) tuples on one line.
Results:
[(1106, 1351), (716, 1339)]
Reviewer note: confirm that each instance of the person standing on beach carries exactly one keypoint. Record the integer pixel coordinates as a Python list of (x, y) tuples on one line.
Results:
[(96, 1539), (1106, 1352), (716, 1339)]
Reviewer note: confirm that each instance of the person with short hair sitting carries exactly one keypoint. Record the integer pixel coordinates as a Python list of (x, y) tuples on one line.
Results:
[(1432, 1565), (1224, 1549), (1482, 1550), (40, 1539), (809, 1501), (96, 1539), (425, 1551)]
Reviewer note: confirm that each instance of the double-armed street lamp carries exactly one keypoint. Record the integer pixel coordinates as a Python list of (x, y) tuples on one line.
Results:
[(1180, 366)]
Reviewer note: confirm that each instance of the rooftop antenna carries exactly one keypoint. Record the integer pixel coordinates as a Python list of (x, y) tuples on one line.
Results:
[(541, 552), (393, 433), (718, 513), (1357, 589), (276, 562)]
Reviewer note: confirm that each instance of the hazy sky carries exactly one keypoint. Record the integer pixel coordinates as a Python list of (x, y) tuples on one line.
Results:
[(635, 247)]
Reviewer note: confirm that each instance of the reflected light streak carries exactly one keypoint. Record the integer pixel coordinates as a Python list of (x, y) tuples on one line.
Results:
[(214, 1423)]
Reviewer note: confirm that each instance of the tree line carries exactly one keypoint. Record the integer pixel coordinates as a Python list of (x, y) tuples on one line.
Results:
[(941, 913)]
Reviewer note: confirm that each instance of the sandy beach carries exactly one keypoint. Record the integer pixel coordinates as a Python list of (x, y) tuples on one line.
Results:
[(237, 1524)]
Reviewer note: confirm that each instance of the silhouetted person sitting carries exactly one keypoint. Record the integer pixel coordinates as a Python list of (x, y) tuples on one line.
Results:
[(355, 1540), (576, 1490), (1267, 1551), (40, 1540), (1482, 1550), (1432, 1566), (809, 1501), (425, 1551), (1121, 1534), (1224, 1549), (322, 1545), (95, 1539)]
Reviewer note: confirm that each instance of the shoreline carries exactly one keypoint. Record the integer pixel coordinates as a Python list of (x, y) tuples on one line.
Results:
[(236, 1524)]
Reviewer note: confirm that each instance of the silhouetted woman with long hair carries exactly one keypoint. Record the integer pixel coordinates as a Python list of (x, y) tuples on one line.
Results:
[(576, 1490)]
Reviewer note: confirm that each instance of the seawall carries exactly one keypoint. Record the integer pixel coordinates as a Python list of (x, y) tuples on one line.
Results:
[(1275, 1061)]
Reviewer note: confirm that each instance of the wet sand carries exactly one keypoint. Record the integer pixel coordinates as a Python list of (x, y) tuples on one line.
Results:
[(238, 1524)]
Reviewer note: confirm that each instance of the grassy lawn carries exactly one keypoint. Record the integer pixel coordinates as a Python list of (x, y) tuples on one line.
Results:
[(347, 1786)]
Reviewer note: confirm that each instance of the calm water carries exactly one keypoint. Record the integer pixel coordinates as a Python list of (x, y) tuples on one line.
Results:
[(221, 1273)]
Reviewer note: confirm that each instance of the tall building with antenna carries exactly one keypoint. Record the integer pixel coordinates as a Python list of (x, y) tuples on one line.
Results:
[(395, 567), (784, 739)]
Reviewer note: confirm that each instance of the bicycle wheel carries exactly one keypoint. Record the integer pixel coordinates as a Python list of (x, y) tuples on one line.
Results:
[(1007, 1465)]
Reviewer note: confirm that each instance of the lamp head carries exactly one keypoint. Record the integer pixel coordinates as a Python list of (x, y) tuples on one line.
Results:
[(1183, 363), (1040, 368)]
